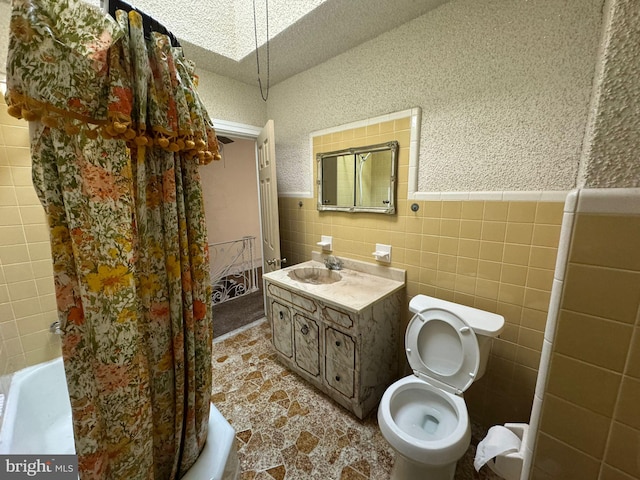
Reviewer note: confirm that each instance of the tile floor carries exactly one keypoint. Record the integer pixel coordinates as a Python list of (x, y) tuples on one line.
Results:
[(288, 430)]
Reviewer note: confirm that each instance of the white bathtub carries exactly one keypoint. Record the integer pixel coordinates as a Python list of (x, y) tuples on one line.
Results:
[(37, 420)]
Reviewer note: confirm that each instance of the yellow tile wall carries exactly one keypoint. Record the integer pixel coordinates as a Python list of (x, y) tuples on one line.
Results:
[(590, 421), (494, 255), (27, 297)]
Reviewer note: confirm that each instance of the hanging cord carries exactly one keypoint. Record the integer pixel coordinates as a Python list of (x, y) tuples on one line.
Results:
[(255, 29)]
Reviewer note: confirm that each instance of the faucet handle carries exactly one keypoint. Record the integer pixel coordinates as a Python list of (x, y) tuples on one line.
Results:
[(333, 263)]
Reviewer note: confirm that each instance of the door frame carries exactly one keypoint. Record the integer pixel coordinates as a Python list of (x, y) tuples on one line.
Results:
[(236, 129), (249, 132)]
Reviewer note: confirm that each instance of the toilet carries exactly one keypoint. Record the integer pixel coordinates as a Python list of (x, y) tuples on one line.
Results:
[(424, 416)]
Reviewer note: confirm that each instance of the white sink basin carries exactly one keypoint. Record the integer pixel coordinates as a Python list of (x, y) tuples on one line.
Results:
[(315, 276)]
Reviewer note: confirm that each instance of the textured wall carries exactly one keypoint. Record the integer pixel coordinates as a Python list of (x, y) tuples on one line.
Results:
[(611, 146), (504, 88), (231, 100)]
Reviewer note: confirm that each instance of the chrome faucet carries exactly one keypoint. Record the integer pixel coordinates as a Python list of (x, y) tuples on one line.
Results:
[(55, 328), (333, 263)]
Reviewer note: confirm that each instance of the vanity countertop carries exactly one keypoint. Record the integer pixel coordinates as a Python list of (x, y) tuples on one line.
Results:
[(357, 288)]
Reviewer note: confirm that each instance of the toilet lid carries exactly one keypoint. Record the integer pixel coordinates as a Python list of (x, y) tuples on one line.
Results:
[(442, 349)]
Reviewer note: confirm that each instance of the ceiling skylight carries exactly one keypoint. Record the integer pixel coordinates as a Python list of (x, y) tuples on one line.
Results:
[(225, 27)]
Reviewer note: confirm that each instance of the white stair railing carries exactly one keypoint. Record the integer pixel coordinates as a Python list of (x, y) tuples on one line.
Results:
[(234, 272)]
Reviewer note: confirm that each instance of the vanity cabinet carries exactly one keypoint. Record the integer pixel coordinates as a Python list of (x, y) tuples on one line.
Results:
[(350, 354)]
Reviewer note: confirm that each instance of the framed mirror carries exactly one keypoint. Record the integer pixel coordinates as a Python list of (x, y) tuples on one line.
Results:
[(361, 179)]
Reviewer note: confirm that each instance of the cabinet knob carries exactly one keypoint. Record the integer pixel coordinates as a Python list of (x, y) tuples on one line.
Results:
[(338, 343), (337, 378), (304, 329), (281, 314)]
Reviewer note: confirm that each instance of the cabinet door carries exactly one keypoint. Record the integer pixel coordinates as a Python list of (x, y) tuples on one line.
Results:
[(282, 328), (307, 345), (340, 347), (340, 350), (339, 377)]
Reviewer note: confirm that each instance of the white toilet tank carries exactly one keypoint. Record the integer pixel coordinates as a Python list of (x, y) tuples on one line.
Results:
[(486, 325)]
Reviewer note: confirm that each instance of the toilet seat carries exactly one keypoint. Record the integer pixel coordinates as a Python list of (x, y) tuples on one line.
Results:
[(442, 350)]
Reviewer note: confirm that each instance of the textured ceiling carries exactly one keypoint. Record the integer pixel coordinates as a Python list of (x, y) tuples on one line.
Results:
[(219, 34)]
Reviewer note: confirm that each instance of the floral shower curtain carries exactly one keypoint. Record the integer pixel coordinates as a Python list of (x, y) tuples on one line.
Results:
[(117, 134)]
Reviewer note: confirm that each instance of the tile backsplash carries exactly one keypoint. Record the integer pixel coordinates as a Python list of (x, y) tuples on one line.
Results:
[(494, 255)]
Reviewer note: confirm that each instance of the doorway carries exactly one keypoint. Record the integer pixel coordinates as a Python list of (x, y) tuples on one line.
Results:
[(264, 167), (232, 213)]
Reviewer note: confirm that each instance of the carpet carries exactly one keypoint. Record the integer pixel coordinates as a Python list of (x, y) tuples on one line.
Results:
[(237, 313)]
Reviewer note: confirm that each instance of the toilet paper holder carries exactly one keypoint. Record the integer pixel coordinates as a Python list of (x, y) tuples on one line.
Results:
[(509, 465)]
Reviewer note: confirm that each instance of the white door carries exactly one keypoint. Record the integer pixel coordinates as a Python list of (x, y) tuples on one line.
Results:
[(268, 189)]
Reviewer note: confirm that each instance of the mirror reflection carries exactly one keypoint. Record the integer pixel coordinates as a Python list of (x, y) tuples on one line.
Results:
[(359, 179)]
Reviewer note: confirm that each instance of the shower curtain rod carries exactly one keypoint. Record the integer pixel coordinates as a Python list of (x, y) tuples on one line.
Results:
[(149, 23)]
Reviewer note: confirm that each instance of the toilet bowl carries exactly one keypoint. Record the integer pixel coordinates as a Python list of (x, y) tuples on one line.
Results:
[(424, 416)]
